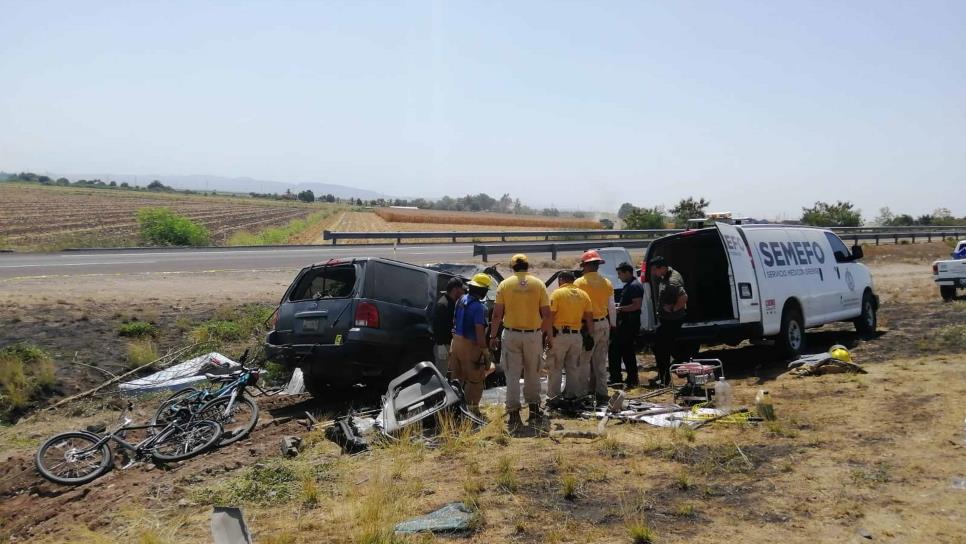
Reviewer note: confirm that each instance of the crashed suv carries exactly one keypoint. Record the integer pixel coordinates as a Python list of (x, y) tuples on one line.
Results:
[(363, 320)]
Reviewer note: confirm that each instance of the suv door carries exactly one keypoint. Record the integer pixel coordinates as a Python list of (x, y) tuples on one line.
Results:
[(404, 298)]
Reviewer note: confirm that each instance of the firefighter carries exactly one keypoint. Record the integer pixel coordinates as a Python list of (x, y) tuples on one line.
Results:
[(523, 308), (601, 293), (470, 357)]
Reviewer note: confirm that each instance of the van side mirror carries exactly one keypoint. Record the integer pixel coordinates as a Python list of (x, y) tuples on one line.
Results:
[(857, 252)]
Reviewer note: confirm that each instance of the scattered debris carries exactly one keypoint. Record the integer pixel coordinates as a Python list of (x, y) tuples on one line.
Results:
[(958, 483), (291, 445), (228, 526), (455, 517), (865, 534), (296, 384), (822, 363), (181, 375)]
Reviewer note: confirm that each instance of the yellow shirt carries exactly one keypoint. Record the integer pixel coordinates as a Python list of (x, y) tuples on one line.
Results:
[(600, 290), (569, 304), (522, 296)]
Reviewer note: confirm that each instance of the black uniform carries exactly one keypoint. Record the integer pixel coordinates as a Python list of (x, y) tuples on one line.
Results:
[(667, 291), (628, 327)]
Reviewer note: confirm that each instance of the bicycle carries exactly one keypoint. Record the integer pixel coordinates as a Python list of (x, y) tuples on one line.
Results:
[(79, 457), (228, 404)]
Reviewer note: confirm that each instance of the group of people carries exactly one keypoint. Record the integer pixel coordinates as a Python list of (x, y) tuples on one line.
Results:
[(572, 326)]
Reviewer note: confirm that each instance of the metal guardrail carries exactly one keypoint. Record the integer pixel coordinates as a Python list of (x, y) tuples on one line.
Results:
[(485, 250), (599, 234)]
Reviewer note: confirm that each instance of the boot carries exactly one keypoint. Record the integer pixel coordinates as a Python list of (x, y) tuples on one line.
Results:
[(535, 414), (514, 422)]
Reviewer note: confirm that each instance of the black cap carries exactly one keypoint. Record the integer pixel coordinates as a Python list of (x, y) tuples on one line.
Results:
[(657, 261)]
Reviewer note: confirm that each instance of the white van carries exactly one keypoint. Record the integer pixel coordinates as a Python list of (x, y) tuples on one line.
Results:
[(753, 282)]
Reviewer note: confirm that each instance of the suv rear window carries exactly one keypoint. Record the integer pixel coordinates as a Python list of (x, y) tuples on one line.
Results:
[(398, 285), (326, 282)]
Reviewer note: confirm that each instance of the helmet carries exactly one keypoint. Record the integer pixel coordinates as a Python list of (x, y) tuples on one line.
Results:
[(591, 256), (839, 352), (481, 280)]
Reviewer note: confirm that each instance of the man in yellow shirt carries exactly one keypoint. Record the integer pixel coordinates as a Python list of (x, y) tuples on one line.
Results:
[(523, 308), (569, 308), (601, 294)]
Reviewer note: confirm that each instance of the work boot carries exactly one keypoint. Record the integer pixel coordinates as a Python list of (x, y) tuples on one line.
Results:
[(514, 422), (602, 400), (535, 414)]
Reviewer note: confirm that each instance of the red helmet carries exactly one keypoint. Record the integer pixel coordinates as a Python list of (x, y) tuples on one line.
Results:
[(591, 256)]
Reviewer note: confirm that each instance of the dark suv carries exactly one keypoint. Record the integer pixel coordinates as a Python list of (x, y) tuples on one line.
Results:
[(363, 320)]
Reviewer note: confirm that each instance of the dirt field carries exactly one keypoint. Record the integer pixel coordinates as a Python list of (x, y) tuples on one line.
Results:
[(876, 454), (33, 217), (438, 217), (370, 222)]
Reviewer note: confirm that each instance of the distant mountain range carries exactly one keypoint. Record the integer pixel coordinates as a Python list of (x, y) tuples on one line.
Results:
[(232, 185)]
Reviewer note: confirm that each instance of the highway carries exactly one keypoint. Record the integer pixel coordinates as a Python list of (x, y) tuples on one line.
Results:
[(77, 263)]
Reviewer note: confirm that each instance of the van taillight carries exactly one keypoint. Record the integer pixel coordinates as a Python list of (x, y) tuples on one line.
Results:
[(935, 269), (367, 315)]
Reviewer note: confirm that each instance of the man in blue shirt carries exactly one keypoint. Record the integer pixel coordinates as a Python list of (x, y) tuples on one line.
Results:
[(628, 326), (469, 355)]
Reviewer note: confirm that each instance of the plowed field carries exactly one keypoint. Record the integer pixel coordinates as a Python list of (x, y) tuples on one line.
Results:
[(47, 217)]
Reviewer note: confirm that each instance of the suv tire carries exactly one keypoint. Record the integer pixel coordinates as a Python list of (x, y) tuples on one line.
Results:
[(791, 339), (867, 321)]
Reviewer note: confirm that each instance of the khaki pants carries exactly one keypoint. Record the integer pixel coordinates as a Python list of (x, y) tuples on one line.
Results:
[(521, 355), (442, 358), (596, 361), (564, 355), (467, 366)]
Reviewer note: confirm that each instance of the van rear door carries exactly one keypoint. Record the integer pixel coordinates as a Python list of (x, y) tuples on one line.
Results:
[(744, 281)]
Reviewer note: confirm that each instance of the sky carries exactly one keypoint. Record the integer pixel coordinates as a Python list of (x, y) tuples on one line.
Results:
[(760, 107)]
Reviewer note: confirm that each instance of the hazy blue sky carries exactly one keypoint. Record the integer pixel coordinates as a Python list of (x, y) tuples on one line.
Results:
[(761, 107)]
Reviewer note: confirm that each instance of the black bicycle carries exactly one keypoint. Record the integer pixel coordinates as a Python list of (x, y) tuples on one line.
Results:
[(78, 457), (225, 401)]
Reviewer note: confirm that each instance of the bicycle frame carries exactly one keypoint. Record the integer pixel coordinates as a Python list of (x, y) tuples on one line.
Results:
[(140, 447)]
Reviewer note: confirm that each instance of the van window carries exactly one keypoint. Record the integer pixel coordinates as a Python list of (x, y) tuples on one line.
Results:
[(398, 285), (325, 282), (839, 248)]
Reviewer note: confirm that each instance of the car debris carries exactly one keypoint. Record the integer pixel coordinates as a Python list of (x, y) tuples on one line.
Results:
[(455, 517), (412, 398), (228, 526), (291, 446)]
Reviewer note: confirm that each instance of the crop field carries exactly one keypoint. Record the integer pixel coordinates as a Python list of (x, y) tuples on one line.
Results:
[(34, 217), (439, 218)]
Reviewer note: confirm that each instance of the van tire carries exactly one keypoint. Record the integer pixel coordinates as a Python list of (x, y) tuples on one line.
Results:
[(791, 339), (948, 292), (867, 321)]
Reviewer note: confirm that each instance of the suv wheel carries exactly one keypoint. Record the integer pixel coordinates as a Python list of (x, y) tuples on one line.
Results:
[(791, 339), (867, 321)]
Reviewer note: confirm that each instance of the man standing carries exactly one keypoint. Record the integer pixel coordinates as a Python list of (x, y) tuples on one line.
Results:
[(628, 326), (470, 355), (523, 308), (667, 285), (601, 293), (443, 322), (570, 307)]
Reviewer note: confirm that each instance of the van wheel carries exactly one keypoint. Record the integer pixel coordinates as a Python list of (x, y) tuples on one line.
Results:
[(791, 339), (948, 292), (867, 321)]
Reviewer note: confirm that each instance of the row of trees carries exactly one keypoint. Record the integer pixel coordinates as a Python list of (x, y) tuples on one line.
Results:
[(659, 218), (481, 202)]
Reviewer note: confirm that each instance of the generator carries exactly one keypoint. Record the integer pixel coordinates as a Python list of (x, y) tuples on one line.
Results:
[(693, 382)]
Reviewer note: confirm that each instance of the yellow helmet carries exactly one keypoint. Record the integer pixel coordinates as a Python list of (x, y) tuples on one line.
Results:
[(838, 351), (481, 280)]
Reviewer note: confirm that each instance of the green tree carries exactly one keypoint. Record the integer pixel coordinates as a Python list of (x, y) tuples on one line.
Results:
[(840, 214), (688, 208), (645, 218), (606, 223), (307, 196), (902, 220), (162, 227), (158, 186)]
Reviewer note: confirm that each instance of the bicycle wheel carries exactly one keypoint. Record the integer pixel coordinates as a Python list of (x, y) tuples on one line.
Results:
[(166, 411), (237, 422), (73, 458), (187, 441)]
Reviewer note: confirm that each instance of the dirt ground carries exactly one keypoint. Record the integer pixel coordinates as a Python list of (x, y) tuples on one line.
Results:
[(876, 454)]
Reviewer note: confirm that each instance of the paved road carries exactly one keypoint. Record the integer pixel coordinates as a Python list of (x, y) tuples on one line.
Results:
[(16, 265)]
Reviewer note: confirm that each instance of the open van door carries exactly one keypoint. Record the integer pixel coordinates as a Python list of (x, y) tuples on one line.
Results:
[(744, 281)]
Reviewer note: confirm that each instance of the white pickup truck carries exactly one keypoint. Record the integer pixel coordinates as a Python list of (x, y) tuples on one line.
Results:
[(951, 274)]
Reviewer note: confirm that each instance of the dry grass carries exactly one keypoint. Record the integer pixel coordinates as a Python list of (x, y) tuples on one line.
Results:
[(141, 352), (483, 218)]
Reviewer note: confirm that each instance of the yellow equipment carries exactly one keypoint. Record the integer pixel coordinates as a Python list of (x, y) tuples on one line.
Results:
[(839, 352)]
